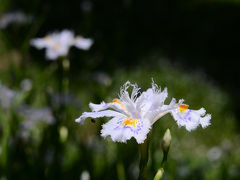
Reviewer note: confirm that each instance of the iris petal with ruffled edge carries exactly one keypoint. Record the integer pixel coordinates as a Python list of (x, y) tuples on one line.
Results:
[(191, 119)]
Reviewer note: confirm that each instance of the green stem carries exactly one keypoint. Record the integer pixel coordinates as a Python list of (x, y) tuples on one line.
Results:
[(144, 149), (5, 140), (164, 160), (65, 67), (160, 171), (60, 116), (120, 171)]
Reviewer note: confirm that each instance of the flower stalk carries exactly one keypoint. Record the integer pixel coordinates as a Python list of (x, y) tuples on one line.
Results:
[(144, 153), (165, 147), (120, 171), (65, 67), (5, 139)]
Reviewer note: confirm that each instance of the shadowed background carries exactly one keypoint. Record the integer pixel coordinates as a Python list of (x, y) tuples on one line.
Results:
[(191, 47)]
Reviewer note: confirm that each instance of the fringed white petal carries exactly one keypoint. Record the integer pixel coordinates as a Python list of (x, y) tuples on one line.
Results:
[(152, 99), (98, 107), (116, 105), (135, 92), (39, 43), (51, 54), (124, 95), (83, 43), (201, 112), (127, 101), (153, 116), (66, 37), (121, 133), (205, 121), (191, 119), (107, 113)]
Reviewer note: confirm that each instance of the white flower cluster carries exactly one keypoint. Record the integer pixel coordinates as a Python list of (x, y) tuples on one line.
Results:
[(16, 17), (133, 115), (57, 44)]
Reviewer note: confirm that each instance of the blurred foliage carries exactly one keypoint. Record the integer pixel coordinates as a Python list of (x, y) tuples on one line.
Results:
[(179, 44)]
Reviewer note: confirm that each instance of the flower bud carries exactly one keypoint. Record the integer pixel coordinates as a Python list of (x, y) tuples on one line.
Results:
[(159, 174), (166, 141)]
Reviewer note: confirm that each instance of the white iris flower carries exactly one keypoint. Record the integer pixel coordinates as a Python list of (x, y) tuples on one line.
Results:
[(133, 115), (58, 44)]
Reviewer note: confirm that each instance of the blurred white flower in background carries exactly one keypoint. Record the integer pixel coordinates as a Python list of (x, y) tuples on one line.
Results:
[(226, 145), (3, 178), (49, 156), (86, 6), (58, 99), (26, 84), (16, 17), (7, 96), (183, 171), (133, 115), (102, 78), (57, 44), (95, 145), (234, 170), (85, 175), (35, 115), (82, 43), (32, 117), (214, 153)]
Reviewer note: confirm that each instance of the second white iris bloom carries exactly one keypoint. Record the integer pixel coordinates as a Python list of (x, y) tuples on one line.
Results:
[(57, 44)]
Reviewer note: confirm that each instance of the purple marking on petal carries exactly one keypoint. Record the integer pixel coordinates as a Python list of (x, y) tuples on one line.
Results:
[(106, 105), (117, 128), (180, 117), (184, 117), (134, 130), (127, 127), (188, 112)]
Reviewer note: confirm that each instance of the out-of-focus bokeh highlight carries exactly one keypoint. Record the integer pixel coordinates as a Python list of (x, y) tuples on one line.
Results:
[(190, 47)]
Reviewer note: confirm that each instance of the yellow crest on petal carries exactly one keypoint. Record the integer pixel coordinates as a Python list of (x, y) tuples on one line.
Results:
[(183, 107), (129, 121), (116, 101)]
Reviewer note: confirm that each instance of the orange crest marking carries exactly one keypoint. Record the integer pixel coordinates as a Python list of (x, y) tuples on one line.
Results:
[(118, 102), (129, 121), (183, 107)]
